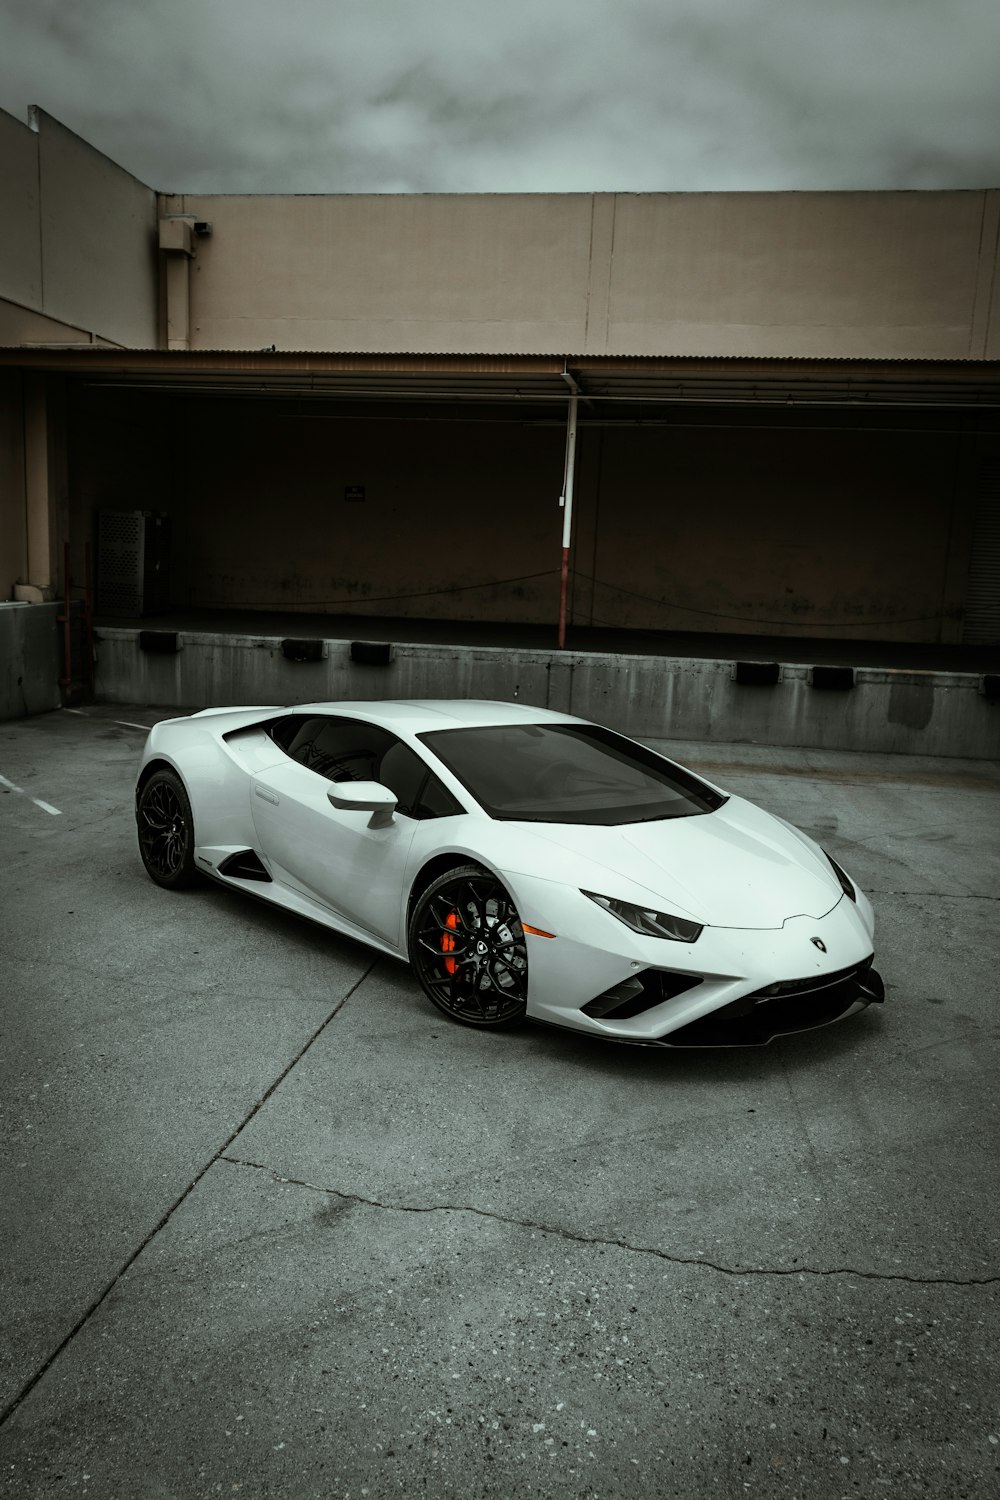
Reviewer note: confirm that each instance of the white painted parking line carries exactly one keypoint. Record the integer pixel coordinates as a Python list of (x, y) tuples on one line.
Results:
[(126, 723), (45, 806)]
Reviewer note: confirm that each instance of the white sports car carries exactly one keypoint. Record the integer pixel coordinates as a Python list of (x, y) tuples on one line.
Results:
[(526, 863)]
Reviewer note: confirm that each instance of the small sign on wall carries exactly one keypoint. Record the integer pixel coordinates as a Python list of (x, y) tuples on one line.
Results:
[(355, 492)]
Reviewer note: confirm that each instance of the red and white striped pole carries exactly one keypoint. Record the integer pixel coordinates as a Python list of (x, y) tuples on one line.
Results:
[(566, 501)]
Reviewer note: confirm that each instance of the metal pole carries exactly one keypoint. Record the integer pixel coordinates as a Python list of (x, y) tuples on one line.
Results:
[(65, 619), (89, 613), (566, 501)]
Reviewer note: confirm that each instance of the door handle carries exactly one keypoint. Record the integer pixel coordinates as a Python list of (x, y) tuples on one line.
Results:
[(263, 793)]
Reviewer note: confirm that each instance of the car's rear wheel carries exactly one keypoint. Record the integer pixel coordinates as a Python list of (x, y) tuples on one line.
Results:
[(166, 831), (467, 948)]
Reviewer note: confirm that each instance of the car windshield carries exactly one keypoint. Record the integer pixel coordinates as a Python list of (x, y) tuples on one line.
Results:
[(568, 773)]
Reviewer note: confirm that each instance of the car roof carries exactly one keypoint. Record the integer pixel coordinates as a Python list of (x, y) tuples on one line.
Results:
[(422, 715)]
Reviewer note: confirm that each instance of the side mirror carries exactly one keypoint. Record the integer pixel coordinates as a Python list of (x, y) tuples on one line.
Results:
[(364, 796)]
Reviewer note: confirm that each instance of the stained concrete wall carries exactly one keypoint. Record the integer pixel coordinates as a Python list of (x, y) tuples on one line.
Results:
[(13, 513), (29, 659), (842, 530), (918, 713), (865, 275), (847, 530), (34, 485), (78, 260), (256, 492)]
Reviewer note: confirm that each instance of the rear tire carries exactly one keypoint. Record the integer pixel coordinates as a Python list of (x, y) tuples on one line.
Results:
[(166, 831)]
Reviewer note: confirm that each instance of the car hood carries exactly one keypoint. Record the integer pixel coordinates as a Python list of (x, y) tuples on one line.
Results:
[(735, 867)]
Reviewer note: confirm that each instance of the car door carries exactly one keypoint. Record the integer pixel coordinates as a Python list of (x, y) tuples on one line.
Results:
[(334, 855)]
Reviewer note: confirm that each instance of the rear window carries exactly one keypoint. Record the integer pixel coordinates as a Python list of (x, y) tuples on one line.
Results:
[(568, 773)]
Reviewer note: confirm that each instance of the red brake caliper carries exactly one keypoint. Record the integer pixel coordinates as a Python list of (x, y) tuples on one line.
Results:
[(448, 941)]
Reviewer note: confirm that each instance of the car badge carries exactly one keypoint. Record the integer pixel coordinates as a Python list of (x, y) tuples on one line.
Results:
[(818, 943)]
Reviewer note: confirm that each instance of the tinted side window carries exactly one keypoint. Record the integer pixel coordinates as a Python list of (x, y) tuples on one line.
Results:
[(403, 772), (340, 749), (419, 794), (348, 750), (437, 801), (283, 731)]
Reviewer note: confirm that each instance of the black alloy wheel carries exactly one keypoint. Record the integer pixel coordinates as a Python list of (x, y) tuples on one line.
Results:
[(467, 948), (166, 831)]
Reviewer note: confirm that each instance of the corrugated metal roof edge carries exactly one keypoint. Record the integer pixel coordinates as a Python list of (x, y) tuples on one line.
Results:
[(275, 357)]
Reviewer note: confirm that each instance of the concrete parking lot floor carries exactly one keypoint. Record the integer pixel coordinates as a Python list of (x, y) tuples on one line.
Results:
[(271, 1226)]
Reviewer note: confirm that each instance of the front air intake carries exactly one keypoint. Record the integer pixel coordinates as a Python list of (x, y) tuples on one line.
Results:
[(780, 1009), (638, 993)]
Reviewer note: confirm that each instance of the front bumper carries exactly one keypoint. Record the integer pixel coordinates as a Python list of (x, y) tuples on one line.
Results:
[(757, 1019), (734, 986)]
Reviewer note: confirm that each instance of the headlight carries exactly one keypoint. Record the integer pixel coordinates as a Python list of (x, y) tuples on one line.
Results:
[(649, 923), (845, 882)]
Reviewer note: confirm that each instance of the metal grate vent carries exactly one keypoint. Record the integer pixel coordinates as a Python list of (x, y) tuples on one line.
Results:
[(982, 602), (132, 555)]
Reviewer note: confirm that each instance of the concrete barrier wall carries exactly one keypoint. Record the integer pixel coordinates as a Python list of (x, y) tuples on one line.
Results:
[(919, 713), (29, 659)]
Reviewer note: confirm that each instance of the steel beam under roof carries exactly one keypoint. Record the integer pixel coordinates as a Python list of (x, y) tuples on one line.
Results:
[(602, 380)]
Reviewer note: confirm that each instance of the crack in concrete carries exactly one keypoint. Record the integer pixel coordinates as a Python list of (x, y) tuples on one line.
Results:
[(935, 895), (618, 1244), (29, 1385)]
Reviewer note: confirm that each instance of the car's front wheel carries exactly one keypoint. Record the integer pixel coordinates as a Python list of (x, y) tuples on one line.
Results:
[(166, 831), (467, 948)]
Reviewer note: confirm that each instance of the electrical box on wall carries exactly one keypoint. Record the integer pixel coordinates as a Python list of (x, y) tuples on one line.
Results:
[(133, 562), (175, 235)]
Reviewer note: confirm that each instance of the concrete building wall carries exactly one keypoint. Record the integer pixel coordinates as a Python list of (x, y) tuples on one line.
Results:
[(20, 325), (21, 256), (781, 530), (34, 481), (804, 526), (862, 275), (461, 273), (78, 257), (13, 512)]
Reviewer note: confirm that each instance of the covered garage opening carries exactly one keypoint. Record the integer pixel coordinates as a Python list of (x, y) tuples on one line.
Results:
[(717, 502)]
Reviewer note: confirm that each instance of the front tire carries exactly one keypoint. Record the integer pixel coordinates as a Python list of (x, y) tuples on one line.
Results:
[(467, 949), (166, 831)]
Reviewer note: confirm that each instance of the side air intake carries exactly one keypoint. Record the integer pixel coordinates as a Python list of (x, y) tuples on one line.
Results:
[(244, 865)]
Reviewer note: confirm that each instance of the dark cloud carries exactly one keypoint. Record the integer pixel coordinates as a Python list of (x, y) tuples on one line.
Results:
[(476, 95)]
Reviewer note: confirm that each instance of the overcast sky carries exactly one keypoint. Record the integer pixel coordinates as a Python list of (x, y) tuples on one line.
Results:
[(517, 95)]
